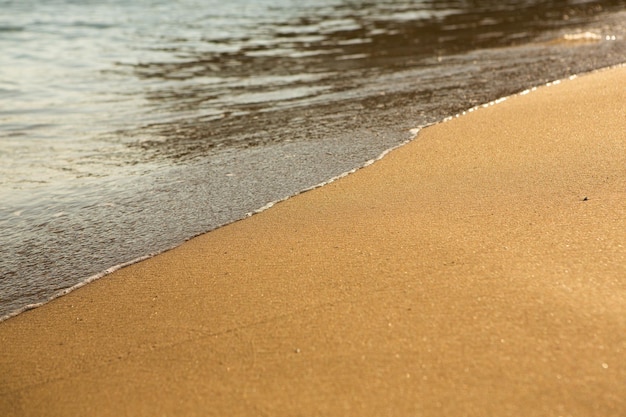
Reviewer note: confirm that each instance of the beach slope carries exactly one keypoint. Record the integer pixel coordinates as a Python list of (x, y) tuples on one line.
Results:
[(479, 270)]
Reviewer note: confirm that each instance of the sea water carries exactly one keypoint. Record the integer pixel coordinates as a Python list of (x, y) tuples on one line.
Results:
[(127, 127)]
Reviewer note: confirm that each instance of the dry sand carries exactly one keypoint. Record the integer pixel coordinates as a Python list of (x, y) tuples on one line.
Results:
[(478, 271)]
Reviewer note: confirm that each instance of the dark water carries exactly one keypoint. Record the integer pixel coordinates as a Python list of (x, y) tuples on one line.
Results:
[(128, 127)]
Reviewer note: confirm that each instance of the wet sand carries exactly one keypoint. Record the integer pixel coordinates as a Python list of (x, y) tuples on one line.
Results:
[(477, 271)]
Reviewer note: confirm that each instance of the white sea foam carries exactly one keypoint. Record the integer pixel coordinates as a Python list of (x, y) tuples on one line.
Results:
[(584, 36), (588, 37)]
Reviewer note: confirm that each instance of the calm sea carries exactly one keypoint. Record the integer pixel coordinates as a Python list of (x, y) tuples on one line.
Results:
[(127, 127)]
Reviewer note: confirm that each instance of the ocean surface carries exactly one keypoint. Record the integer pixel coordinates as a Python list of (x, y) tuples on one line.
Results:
[(129, 126)]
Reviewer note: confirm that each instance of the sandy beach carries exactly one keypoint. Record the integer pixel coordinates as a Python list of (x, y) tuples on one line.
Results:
[(479, 270)]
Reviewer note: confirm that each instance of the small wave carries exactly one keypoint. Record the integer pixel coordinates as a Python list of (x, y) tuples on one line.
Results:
[(10, 28), (92, 25)]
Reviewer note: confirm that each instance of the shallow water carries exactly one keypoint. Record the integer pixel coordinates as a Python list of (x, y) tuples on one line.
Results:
[(127, 128)]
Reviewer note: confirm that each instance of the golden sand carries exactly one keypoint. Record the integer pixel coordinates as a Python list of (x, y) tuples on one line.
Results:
[(478, 271)]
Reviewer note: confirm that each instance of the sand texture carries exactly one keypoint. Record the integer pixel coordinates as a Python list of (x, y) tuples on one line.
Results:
[(478, 271)]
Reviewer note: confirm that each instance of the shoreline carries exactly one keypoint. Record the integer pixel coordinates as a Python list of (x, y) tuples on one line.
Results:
[(475, 270), (129, 218), (414, 135)]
